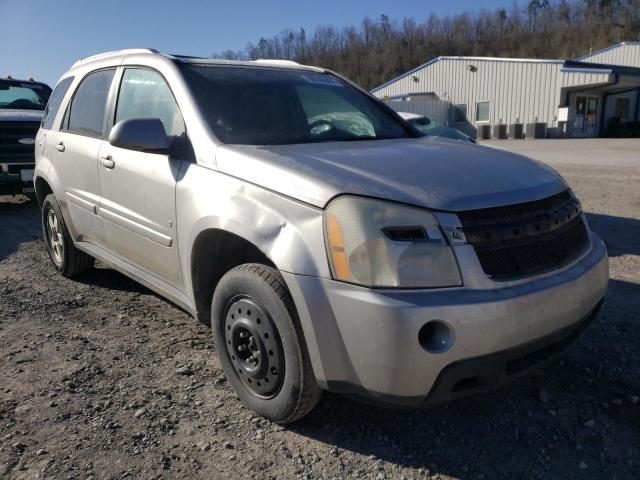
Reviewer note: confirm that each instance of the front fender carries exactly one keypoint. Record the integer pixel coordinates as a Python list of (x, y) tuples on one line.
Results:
[(288, 232)]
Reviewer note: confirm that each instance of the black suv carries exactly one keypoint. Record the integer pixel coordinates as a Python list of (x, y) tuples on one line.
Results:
[(22, 104)]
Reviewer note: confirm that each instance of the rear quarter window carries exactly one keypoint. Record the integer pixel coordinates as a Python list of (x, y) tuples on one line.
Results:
[(55, 100)]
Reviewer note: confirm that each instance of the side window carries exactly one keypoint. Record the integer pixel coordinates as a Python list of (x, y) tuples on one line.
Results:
[(88, 107), (145, 94), (54, 102)]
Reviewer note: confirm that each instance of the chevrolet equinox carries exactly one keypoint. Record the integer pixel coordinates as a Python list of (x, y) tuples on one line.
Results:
[(328, 243)]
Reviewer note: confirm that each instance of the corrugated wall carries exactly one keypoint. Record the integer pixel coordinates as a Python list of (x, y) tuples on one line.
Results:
[(626, 54), (429, 107), (519, 91)]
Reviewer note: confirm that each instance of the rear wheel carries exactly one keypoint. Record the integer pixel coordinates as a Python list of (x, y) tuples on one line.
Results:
[(67, 259), (261, 345)]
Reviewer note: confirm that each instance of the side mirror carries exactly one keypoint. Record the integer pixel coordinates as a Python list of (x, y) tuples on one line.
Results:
[(142, 134)]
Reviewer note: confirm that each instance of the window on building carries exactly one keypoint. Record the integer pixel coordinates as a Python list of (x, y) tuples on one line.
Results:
[(482, 111), (622, 108), (87, 113), (460, 112)]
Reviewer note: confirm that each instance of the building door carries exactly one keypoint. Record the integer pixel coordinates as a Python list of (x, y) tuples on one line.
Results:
[(585, 120)]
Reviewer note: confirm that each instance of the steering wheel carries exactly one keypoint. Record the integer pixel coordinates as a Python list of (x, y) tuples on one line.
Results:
[(321, 127)]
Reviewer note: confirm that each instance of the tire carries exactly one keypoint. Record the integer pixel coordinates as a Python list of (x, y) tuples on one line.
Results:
[(67, 259), (252, 299)]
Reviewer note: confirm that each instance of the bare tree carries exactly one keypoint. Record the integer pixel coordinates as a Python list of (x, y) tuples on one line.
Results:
[(378, 50)]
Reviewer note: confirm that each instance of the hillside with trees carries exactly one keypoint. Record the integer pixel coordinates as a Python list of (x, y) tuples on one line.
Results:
[(378, 50)]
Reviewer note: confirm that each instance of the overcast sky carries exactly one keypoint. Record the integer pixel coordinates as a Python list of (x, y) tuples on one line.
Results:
[(43, 38)]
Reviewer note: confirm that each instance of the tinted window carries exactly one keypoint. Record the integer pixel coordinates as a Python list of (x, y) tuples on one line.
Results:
[(87, 113), (145, 94), (259, 106), (324, 107), (433, 128), (54, 102), (461, 113), (17, 95)]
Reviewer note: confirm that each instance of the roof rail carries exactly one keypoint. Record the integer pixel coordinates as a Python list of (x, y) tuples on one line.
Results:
[(113, 53), (287, 63), (275, 61)]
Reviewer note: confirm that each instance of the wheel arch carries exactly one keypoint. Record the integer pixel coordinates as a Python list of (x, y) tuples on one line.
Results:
[(42, 189), (216, 251)]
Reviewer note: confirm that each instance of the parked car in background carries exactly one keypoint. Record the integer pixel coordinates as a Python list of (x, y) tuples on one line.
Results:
[(327, 243), (22, 104), (433, 128)]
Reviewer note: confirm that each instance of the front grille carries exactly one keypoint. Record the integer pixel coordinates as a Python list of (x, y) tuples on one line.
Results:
[(525, 238), (11, 150), (15, 169)]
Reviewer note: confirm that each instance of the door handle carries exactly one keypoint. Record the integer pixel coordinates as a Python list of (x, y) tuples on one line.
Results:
[(60, 146), (107, 162)]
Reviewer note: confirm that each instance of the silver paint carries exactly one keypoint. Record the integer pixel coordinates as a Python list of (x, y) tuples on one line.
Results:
[(143, 216)]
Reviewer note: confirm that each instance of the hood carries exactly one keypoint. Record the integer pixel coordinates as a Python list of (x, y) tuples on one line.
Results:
[(431, 172), (20, 115)]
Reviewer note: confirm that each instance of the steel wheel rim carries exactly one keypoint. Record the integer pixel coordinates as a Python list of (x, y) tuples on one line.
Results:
[(55, 238), (253, 346)]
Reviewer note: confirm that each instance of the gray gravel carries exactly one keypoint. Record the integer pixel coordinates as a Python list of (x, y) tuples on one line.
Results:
[(100, 378)]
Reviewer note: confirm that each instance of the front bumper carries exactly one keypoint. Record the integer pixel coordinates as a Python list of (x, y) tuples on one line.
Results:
[(365, 341)]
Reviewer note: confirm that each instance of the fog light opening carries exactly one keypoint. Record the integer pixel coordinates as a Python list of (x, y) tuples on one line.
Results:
[(436, 337)]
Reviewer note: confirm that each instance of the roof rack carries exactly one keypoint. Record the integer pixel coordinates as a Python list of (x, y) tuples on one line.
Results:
[(113, 53), (274, 61)]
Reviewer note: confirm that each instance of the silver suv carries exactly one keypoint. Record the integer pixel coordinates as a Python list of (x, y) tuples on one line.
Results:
[(327, 243)]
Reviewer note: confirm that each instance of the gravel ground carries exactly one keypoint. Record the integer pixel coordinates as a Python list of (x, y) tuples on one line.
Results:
[(100, 378)]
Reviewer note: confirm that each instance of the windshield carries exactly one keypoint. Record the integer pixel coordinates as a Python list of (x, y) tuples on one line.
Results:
[(264, 106), (433, 128), (23, 95)]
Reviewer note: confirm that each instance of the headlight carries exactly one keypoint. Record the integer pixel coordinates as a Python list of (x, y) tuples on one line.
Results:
[(384, 244)]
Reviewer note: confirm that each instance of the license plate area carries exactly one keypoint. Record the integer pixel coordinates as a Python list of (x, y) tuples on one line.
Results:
[(26, 176)]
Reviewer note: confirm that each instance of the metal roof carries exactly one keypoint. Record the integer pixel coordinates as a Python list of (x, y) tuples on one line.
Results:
[(446, 57), (573, 66), (606, 49)]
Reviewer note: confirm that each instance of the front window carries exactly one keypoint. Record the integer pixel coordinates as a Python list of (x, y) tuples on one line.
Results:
[(145, 94), (18, 95), (263, 106)]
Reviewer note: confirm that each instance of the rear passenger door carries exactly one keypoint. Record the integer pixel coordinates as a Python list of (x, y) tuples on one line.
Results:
[(138, 188), (75, 154)]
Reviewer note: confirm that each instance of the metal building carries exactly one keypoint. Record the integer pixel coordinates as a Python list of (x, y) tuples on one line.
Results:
[(625, 54), (516, 98)]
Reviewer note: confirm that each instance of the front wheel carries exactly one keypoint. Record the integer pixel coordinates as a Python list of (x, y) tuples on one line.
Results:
[(261, 345)]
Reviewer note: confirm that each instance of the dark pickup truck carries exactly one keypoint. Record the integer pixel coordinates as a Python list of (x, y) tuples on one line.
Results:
[(22, 104)]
